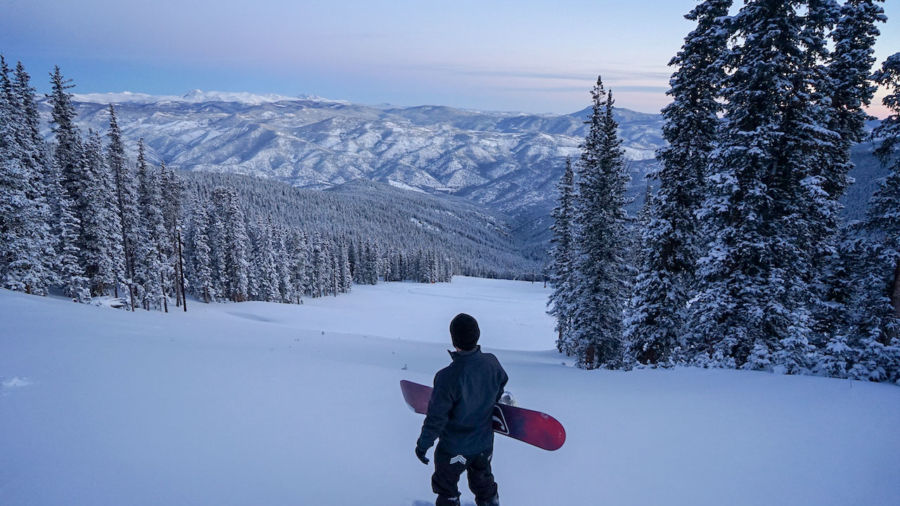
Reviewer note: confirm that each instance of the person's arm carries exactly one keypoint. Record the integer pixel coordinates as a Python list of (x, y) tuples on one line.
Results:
[(439, 408), (503, 380)]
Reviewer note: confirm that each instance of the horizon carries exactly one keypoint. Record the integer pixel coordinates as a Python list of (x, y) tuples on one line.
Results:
[(199, 96), (503, 57)]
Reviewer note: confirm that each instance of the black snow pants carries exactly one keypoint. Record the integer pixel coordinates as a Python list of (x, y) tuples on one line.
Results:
[(447, 470)]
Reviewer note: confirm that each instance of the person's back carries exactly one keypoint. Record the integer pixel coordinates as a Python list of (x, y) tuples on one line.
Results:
[(459, 415)]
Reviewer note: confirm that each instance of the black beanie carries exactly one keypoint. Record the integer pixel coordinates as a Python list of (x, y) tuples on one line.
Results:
[(464, 332)]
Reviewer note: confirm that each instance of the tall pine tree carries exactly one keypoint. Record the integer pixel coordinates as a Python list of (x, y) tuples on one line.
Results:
[(672, 240), (562, 257), (600, 278), (126, 201)]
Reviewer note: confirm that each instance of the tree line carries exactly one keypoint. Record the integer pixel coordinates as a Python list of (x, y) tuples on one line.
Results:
[(78, 216), (740, 258)]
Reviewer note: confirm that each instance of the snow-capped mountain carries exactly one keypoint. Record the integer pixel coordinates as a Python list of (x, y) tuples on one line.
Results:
[(510, 161)]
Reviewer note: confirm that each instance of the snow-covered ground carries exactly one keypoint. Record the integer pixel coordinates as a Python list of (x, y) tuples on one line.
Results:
[(269, 404)]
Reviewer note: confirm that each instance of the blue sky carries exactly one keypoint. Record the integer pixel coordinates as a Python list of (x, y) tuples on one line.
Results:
[(526, 55)]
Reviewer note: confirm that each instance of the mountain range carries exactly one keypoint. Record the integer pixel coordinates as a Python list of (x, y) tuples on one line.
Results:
[(508, 162), (505, 160)]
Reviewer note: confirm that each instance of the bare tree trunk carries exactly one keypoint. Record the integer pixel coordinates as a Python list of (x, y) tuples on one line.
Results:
[(162, 283), (176, 250), (181, 271)]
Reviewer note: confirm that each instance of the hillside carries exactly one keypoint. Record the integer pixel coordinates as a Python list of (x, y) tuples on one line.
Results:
[(480, 241), (263, 403), (506, 160), (509, 162)]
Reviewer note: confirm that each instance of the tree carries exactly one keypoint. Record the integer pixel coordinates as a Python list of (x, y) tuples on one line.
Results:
[(68, 156), (126, 205), (171, 193), (70, 275), (877, 308), (102, 250), (768, 212), (600, 280), (562, 257), (671, 241), (233, 244), (201, 265), (150, 264), (27, 257), (17, 258)]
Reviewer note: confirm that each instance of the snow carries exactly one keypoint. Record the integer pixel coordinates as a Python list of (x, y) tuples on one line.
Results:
[(257, 403), (404, 186)]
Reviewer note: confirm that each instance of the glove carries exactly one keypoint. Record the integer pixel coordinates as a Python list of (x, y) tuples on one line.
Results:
[(507, 398), (420, 453)]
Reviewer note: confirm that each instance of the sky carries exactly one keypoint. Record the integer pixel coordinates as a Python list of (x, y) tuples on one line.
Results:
[(522, 55)]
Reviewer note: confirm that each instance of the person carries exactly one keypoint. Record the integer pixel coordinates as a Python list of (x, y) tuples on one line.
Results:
[(460, 417)]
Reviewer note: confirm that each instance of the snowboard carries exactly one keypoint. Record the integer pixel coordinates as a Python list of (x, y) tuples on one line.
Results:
[(526, 425)]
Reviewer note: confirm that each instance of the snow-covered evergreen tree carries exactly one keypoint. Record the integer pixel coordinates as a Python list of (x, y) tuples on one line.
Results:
[(767, 211), (69, 160), (102, 251), (849, 87), (126, 200), (26, 254), (13, 185), (671, 242), (600, 276), (299, 265), (877, 309), (150, 269), (345, 277), (265, 270), (562, 255), (69, 272), (283, 264), (14, 177), (201, 264), (171, 195), (234, 244)]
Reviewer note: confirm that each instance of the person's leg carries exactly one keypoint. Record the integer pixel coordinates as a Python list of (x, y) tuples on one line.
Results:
[(447, 469), (481, 479)]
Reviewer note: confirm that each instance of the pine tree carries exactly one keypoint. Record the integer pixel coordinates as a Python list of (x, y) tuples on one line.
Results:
[(299, 265), (283, 264), (562, 257), (171, 194), (69, 275), (150, 265), (234, 244), (217, 246), (126, 200), (346, 278), (14, 203), (600, 280), (266, 273), (201, 264), (850, 89), (318, 267), (100, 231), (69, 158), (753, 309), (877, 309), (27, 256), (671, 242)]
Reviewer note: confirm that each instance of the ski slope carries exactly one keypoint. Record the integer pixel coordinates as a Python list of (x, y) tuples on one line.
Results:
[(270, 404)]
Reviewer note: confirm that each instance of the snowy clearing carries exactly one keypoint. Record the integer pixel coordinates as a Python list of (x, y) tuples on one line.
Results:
[(270, 404)]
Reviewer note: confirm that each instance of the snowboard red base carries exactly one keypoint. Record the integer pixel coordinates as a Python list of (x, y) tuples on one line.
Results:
[(532, 427)]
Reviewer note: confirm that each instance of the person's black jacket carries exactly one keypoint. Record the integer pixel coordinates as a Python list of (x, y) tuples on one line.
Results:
[(459, 413)]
